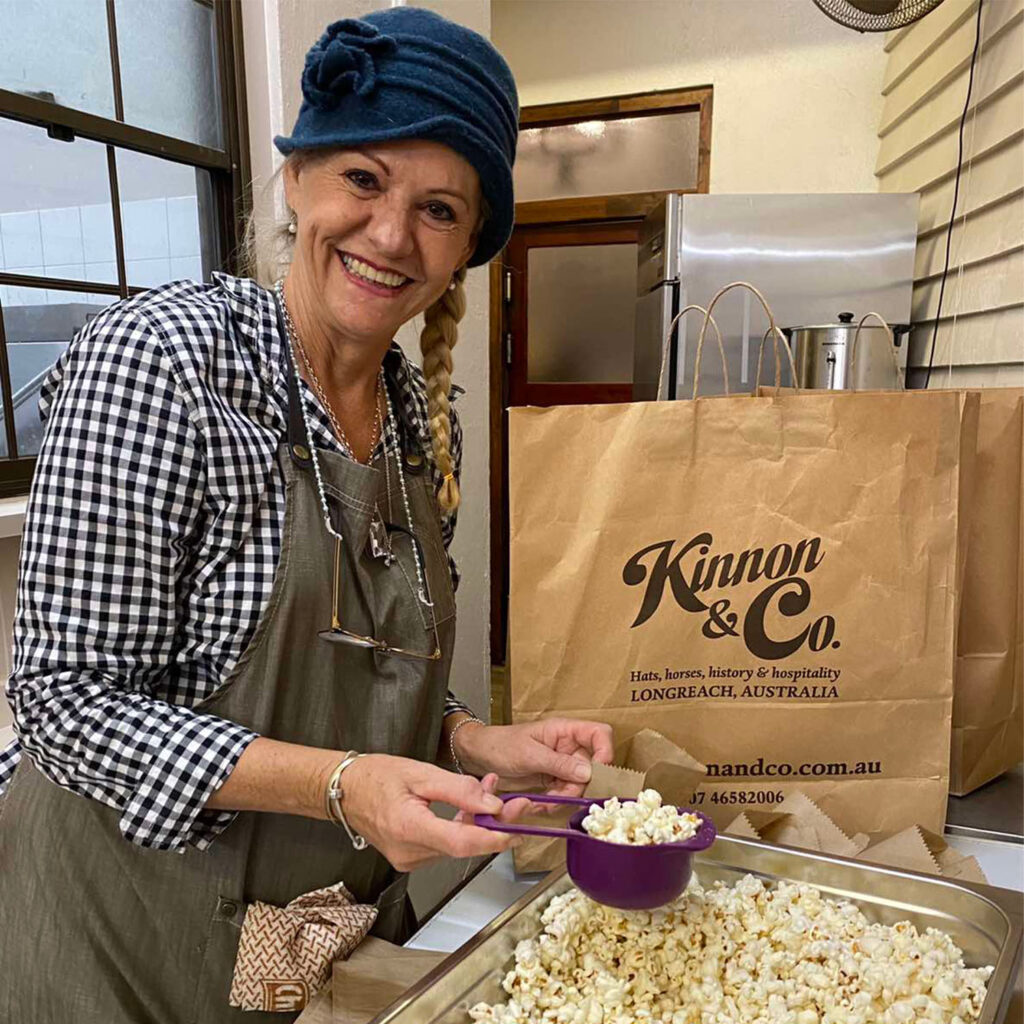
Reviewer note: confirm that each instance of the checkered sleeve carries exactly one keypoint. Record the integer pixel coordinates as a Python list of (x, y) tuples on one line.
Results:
[(452, 704), (115, 502), (9, 758)]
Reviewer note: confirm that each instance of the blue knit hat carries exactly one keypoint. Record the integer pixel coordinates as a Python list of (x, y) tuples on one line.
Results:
[(408, 73)]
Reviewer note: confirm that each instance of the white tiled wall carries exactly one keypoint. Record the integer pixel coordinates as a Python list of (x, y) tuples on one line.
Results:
[(161, 239)]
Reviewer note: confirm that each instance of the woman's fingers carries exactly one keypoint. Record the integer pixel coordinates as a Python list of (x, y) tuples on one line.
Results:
[(560, 766), (510, 810), (490, 785), (595, 738), (514, 809), (601, 742), (453, 838), (460, 791), (468, 836)]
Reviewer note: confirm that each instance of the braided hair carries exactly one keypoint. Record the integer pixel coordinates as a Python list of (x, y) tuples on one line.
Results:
[(437, 339)]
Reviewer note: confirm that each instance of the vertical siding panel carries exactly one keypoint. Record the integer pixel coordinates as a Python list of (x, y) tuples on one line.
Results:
[(981, 328)]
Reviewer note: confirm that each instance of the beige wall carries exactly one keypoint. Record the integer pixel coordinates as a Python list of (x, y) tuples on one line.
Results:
[(796, 103), (980, 337)]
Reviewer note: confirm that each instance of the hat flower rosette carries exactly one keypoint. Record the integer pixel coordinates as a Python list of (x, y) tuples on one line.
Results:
[(344, 61)]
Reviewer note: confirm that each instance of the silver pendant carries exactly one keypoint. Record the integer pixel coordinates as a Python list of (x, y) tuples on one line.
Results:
[(380, 542)]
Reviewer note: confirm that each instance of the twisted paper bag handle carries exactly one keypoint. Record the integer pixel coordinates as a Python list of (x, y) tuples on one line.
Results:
[(696, 371), (773, 330)]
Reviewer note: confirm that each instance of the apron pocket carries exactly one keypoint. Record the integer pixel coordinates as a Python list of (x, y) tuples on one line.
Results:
[(212, 985)]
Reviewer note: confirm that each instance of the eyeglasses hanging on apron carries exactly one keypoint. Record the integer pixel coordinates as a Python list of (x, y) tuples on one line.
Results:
[(383, 534)]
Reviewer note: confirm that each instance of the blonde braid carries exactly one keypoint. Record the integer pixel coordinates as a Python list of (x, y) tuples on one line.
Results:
[(438, 338)]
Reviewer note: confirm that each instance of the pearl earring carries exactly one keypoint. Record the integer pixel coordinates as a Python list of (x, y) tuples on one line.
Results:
[(292, 227), (451, 286)]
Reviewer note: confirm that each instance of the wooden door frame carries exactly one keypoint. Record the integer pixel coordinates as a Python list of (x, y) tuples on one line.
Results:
[(625, 207), (534, 236)]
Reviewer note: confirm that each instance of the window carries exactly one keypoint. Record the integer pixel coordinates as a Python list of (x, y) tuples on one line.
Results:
[(125, 166)]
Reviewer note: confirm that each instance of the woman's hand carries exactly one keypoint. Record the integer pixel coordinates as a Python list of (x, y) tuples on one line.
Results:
[(554, 753), (387, 801)]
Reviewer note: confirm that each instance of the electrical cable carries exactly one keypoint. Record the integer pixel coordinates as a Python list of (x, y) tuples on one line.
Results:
[(962, 250), (956, 194)]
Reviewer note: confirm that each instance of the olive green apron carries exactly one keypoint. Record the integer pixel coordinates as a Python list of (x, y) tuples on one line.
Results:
[(96, 930)]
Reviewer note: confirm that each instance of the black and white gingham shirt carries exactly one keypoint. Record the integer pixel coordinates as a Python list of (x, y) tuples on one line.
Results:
[(150, 543)]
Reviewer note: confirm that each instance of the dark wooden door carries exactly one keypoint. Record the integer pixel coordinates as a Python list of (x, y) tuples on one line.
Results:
[(569, 293)]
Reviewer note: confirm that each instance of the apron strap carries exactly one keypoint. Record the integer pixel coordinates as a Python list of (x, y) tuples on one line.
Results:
[(298, 439)]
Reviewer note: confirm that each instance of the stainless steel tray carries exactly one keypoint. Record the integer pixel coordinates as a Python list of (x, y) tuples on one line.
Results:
[(985, 922)]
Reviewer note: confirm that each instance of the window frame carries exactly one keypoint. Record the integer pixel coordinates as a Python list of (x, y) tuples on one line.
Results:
[(626, 205), (229, 171)]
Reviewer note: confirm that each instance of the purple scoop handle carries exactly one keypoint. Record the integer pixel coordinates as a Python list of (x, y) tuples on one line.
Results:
[(489, 821)]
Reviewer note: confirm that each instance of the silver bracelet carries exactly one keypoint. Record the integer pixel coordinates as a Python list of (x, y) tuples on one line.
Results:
[(451, 740), (334, 796)]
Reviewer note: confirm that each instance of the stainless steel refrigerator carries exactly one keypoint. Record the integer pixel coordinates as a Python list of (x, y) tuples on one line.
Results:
[(812, 256)]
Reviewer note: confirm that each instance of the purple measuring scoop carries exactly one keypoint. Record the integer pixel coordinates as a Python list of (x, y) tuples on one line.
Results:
[(618, 875)]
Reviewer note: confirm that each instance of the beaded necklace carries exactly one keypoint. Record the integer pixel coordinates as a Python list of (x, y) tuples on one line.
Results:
[(392, 446)]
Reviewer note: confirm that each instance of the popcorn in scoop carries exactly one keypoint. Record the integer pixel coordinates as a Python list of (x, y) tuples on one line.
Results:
[(640, 822)]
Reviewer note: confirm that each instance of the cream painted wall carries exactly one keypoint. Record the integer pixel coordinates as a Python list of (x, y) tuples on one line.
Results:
[(796, 102)]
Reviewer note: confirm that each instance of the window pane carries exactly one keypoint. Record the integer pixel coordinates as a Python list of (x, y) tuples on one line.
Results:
[(581, 302), (55, 213), (603, 158), (177, 93), (38, 324), (58, 51), (161, 204)]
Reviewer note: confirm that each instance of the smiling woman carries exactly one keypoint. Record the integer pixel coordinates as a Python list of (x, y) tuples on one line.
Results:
[(374, 245), (371, 223)]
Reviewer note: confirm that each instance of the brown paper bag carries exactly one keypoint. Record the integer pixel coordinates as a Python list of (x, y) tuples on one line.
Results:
[(951, 863), (649, 761), (742, 826), (917, 849), (798, 821), (374, 976), (769, 581), (988, 679), (988, 690)]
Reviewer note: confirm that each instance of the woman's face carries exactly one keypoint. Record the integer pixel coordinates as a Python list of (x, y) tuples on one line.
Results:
[(405, 212)]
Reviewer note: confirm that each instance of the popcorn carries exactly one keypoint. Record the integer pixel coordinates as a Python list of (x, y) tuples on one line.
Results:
[(640, 822), (747, 952)]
